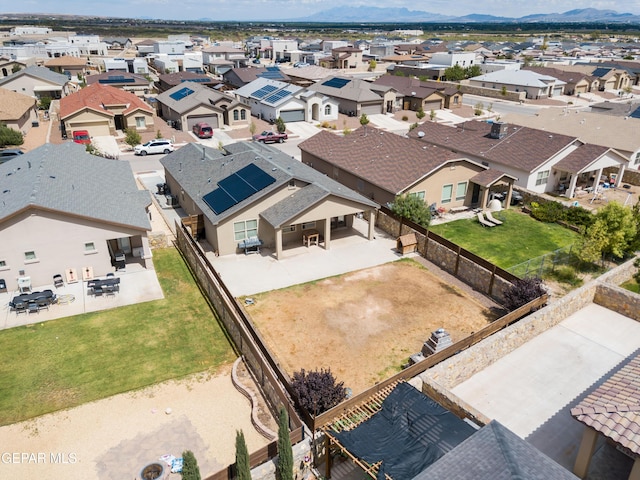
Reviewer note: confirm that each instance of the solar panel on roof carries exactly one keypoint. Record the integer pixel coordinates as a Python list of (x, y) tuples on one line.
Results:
[(272, 75), (600, 72), (336, 82), (182, 93), (277, 96), (237, 187), (117, 79), (273, 69), (264, 91), (635, 113)]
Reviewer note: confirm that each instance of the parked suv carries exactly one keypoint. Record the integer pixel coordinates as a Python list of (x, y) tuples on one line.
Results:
[(203, 130), (159, 145)]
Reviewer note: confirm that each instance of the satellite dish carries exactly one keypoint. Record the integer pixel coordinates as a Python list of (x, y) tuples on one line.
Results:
[(421, 134)]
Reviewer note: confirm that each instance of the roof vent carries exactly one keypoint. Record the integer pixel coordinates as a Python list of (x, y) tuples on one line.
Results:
[(498, 130), (421, 134)]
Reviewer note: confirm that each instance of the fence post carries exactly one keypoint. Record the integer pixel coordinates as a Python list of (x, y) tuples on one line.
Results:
[(541, 269)]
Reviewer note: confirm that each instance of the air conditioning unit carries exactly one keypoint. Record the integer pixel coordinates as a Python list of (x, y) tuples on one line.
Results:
[(172, 200)]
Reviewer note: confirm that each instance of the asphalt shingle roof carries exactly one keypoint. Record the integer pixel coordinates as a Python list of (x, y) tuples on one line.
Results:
[(201, 95), (581, 157), (65, 178), (38, 72), (355, 89)]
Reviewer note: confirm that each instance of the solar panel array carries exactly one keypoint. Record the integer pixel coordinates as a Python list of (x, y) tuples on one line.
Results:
[(182, 93), (237, 187), (336, 82), (264, 91), (272, 73), (277, 96), (600, 72), (117, 79), (635, 113)]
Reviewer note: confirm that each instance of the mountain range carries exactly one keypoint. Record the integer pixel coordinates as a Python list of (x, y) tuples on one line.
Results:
[(404, 15)]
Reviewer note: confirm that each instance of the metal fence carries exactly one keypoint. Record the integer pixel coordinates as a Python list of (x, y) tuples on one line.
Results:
[(545, 264)]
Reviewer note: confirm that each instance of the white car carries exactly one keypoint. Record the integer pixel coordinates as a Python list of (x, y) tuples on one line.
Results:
[(159, 145)]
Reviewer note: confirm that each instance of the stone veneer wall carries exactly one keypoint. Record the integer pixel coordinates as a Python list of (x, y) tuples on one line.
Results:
[(441, 378)]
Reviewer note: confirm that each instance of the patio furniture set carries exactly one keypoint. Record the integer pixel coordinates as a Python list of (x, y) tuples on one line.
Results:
[(107, 286), (490, 221), (32, 302)]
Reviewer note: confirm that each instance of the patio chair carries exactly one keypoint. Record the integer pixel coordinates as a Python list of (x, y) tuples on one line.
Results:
[(484, 222), (58, 281), (20, 307), (491, 218), (97, 291), (32, 307), (42, 302)]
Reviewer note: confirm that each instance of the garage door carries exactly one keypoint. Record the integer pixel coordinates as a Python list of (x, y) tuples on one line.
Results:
[(293, 116), (371, 109), (428, 106), (94, 129), (210, 119)]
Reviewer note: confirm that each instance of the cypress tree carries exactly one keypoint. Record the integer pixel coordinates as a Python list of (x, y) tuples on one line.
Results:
[(284, 469), (190, 470), (242, 457)]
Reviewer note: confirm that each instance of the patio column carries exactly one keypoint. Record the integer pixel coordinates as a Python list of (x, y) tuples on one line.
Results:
[(372, 223), (620, 174), (327, 233), (278, 243), (585, 452), (507, 201), (572, 186), (596, 181), (483, 201)]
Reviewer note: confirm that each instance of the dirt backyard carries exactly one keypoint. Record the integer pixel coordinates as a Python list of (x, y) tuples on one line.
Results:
[(363, 325)]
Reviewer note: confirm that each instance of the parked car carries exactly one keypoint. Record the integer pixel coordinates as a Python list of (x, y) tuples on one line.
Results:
[(159, 145), (82, 137), (266, 137), (516, 197), (9, 154), (300, 64), (203, 130)]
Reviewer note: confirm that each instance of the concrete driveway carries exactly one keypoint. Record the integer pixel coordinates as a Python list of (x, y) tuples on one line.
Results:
[(388, 123)]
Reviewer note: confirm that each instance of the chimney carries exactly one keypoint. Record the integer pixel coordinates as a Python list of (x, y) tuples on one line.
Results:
[(498, 130), (439, 340)]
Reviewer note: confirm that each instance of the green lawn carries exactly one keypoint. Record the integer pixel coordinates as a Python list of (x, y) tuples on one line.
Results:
[(63, 363), (517, 240), (632, 286)]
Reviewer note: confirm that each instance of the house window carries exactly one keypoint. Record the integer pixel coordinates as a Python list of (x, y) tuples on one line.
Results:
[(3, 264), (292, 184), (420, 195), (360, 185), (243, 114), (455, 100), (140, 122), (308, 225), (89, 247), (542, 178), (245, 229), (637, 160), (327, 110), (30, 256), (235, 115), (289, 229), (447, 191), (461, 190)]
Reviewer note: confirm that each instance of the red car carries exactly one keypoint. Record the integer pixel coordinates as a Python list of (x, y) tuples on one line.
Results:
[(266, 137)]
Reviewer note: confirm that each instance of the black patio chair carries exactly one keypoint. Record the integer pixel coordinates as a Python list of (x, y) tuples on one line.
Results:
[(32, 307), (42, 302), (19, 307), (98, 291)]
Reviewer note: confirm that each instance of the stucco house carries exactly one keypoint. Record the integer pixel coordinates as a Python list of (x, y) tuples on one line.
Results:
[(37, 82), (17, 111), (134, 83), (219, 58), (63, 208), (380, 166), (355, 96), (253, 192), (414, 93), (534, 84), (189, 103), (69, 66), (540, 161), (102, 109), (239, 77), (343, 58)]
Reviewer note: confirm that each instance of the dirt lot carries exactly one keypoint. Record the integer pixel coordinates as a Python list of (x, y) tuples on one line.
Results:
[(363, 325)]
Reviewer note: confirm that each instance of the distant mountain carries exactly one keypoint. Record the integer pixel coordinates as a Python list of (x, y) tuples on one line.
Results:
[(403, 15)]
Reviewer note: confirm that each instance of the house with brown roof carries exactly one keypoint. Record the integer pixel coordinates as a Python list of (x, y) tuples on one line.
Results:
[(382, 165), (102, 109), (540, 161), (576, 82), (170, 80), (69, 66), (416, 93), (343, 58), (239, 77), (17, 111), (134, 83), (356, 96)]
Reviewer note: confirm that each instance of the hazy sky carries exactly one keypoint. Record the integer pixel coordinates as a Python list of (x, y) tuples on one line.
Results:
[(291, 9)]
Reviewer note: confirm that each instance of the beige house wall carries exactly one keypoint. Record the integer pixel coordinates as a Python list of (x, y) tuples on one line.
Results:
[(25, 85), (130, 120), (95, 123), (23, 124), (58, 241)]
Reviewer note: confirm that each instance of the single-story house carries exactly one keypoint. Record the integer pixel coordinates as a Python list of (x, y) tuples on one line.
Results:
[(239, 77), (255, 193), (534, 84), (69, 66), (415, 93), (381, 166), (63, 208), (17, 111), (540, 161), (189, 103), (102, 109), (355, 96), (37, 82), (170, 80), (270, 99), (575, 82), (134, 83)]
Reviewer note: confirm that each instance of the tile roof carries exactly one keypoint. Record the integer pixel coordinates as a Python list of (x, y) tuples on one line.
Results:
[(495, 453), (65, 178), (13, 105), (99, 97), (389, 161), (488, 177), (198, 169), (41, 73), (66, 61), (522, 147), (613, 408)]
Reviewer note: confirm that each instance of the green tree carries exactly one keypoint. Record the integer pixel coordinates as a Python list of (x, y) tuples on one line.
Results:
[(132, 137), (280, 125), (372, 65), (432, 114), (243, 467), (454, 74), (9, 136), (420, 113), (364, 121), (614, 232), (284, 468), (190, 469), (478, 108), (16, 68), (503, 91), (593, 243), (44, 103), (473, 71), (412, 208)]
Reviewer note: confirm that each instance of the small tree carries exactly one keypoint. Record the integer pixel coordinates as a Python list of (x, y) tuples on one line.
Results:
[(472, 71), (412, 208), (16, 68), (252, 128), (284, 468), (454, 74), (132, 137), (503, 91), (372, 65), (317, 391), (478, 108), (420, 114), (158, 134), (432, 114), (523, 291), (242, 457), (9, 136), (280, 125), (44, 103), (190, 469), (364, 121)]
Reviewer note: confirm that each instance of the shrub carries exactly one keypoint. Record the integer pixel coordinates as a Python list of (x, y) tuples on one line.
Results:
[(317, 391), (405, 118), (566, 274), (413, 125), (9, 136), (132, 137), (579, 216), (523, 291), (549, 212)]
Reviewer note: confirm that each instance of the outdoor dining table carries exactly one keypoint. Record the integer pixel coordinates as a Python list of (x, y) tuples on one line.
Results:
[(98, 286), (32, 297)]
